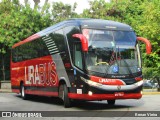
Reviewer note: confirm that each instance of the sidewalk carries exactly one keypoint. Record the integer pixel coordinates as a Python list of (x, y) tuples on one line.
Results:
[(5, 90), (5, 86), (150, 92)]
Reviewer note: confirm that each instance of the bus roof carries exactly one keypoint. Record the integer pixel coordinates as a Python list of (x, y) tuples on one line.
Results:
[(89, 23), (81, 22), (101, 24)]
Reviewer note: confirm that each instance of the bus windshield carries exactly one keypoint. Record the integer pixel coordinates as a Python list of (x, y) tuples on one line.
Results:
[(112, 52)]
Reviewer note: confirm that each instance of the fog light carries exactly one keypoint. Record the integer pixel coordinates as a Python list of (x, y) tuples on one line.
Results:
[(141, 92), (90, 93)]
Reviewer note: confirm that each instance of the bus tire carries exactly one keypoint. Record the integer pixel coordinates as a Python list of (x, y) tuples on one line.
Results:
[(23, 94), (111, 102), (63, 94)]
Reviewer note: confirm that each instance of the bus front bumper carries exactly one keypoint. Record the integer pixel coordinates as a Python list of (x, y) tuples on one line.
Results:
[(116, 95)]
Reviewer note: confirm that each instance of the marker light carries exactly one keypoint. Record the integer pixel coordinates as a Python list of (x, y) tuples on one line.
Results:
[(90, 93), (138, 78)]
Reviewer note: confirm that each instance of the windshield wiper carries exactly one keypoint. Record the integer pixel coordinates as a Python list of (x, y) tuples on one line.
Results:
[(99, 73), (122, 58)]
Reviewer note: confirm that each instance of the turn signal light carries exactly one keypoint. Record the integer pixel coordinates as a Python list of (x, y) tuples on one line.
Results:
[(138, 78)]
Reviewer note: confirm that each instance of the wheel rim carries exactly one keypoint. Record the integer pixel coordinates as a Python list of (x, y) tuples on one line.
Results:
[(63, 95), (22, 93)]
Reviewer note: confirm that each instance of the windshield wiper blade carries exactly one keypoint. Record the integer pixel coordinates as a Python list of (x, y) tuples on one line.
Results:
[(127, 66), (99, 73)]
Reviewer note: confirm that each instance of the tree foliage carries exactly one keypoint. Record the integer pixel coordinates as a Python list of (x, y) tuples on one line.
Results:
[(17, 22), (61, 11)]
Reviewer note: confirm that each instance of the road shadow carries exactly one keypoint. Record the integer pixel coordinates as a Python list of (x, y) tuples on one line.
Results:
[(43, 99), (99, 105), (84, 105)]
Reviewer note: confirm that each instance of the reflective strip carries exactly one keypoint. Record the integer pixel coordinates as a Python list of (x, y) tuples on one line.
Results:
[(53, 44), (46, 38), (52, 47), (16, 68), (48, 43), (49, 40), (53, 52)]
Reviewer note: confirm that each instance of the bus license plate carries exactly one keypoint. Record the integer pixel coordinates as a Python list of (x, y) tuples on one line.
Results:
[(119, 93)]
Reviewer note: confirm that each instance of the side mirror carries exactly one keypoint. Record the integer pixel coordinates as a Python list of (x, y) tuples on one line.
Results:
[(148, 44), (83, 40)]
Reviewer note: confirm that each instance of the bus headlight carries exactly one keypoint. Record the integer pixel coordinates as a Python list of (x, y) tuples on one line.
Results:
[(92, 83)]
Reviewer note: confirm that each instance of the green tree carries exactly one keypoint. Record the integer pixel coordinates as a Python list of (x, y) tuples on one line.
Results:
[(17, 22), (7, 18), (150, 28), (36, 2), (62, 11), (100, 9)]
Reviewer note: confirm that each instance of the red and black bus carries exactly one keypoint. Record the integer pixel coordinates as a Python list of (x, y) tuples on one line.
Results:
[(80, 59)]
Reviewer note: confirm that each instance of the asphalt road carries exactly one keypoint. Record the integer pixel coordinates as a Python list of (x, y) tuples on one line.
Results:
[(13, 102)]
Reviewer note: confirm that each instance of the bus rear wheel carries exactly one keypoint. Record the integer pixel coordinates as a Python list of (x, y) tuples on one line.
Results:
[(111, 102), (63, 94), (23, 94)]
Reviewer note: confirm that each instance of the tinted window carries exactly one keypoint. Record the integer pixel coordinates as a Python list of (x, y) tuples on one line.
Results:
[(34, 49), (78, 55), (49, 40), (69, 31), (58, 40)]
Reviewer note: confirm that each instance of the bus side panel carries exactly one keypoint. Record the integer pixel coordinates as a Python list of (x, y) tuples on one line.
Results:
[(60, 68), (15, 81), (38, 75)]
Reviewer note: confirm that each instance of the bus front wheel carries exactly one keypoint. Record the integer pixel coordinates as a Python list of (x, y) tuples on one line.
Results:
[(63, 94)]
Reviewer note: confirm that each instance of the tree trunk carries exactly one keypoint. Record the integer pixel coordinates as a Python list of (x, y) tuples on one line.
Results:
[(46, 1), (158, 81), (26, 2), (36, 2), (3, 68)]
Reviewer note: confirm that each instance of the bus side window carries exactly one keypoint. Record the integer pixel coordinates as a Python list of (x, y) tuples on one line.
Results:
[(58, 38), (14, 55), (34, 49), (69, 31), (78, 56)]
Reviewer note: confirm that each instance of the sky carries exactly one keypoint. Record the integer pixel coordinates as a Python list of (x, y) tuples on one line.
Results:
[(82, 4)]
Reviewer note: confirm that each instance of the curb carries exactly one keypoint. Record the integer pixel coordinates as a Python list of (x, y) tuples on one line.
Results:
[(151, 93), (5, 91)]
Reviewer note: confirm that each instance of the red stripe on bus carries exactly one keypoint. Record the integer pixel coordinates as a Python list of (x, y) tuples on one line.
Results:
[(104, 96), (16, 90), (42, 93), (26, 40)]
